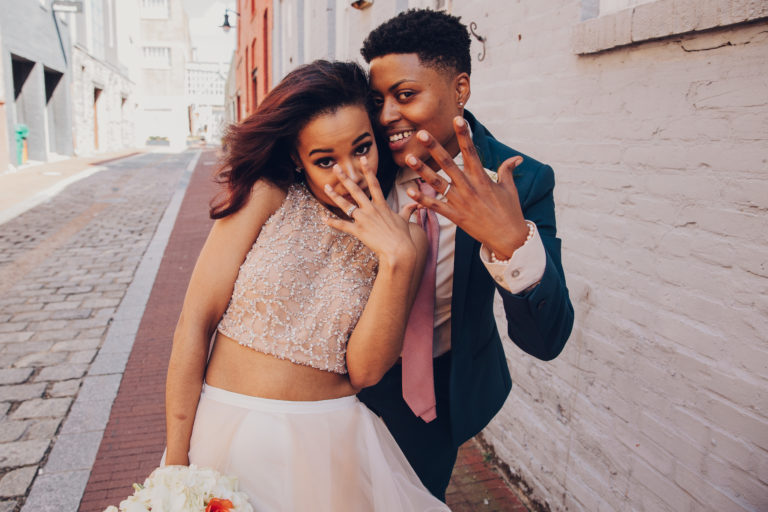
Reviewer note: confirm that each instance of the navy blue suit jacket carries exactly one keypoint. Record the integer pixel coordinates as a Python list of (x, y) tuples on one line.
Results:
[(539, 322)]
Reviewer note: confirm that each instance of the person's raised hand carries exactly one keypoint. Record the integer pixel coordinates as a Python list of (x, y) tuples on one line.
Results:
[(488, 210), (371, 220)]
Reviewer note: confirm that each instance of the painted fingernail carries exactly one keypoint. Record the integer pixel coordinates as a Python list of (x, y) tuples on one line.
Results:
[(423, 136), (364, 160), (412, 160), (460, 122), (412, 193), (328, 188)]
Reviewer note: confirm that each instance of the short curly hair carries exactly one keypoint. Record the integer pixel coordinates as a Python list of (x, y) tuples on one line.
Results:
[(439, 39)]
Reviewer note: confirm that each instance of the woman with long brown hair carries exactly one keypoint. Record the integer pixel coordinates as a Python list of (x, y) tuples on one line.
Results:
[(305, 284)]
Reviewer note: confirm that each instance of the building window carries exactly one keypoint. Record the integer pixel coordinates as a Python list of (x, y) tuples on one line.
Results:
[(155, 9), (205, 82), (156, 57)]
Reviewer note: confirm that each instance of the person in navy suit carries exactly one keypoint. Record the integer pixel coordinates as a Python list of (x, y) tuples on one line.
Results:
[(497, 232)]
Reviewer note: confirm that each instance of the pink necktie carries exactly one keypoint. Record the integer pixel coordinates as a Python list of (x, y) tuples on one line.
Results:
[(418, 381)]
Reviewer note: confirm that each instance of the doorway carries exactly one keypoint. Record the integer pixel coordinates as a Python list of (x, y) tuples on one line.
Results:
[(53, 107), (96, 96)]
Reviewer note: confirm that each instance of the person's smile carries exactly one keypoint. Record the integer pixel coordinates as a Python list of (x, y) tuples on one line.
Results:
[(398, 139)]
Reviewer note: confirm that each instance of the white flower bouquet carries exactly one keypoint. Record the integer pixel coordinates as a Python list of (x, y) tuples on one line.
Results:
[(185, 489)]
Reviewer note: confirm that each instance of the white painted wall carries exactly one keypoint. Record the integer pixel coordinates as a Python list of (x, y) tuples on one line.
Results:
[(301, 37), (660, 399)]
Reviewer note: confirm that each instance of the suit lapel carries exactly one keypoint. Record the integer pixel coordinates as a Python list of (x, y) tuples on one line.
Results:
[(462, 262)]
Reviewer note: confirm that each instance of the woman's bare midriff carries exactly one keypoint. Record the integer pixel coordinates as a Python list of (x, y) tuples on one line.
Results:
[(246, 371)]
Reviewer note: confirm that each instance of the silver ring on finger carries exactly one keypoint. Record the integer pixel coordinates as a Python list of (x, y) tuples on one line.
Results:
[(349, 211), (447, 188)]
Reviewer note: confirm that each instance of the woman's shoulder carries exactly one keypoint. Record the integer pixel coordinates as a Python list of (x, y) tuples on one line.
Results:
[(264, 200), (266, 197)]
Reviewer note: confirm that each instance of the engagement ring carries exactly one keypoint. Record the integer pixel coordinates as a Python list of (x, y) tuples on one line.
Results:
[(351, 210)]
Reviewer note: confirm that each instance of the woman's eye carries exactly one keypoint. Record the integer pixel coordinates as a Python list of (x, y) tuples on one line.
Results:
[(377, 101), (403, 95), (324, 163), (363, 149)]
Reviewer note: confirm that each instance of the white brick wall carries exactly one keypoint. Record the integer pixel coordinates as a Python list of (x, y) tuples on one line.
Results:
[(660, 399)]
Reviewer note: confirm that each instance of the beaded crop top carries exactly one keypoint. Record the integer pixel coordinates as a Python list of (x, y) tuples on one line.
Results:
[(302, 287)]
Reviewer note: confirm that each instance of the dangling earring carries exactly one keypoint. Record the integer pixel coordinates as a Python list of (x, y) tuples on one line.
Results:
[(461, 104), (299, 170)]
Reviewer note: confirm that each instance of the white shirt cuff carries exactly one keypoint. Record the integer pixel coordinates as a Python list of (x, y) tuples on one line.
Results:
[(524, 269)]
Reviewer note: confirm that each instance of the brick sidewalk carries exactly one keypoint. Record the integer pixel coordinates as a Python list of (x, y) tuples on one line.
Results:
[(134, 438)]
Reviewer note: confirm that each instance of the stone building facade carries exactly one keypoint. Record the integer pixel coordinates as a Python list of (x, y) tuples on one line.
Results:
[(163, 51), (104, 105), (5, 155), (206, 87), (231, 94), (654, 115), (103, 102), (36, 53)]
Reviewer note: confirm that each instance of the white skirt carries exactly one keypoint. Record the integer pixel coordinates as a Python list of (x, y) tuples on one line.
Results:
[(329, 455)]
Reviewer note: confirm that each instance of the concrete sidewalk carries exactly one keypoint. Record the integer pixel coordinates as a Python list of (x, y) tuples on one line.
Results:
[(30, 185)]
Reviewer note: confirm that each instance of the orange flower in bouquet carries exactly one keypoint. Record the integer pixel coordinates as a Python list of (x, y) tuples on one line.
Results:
[(219, 505)]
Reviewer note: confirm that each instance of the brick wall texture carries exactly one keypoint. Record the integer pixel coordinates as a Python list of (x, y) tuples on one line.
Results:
[(659, 400)]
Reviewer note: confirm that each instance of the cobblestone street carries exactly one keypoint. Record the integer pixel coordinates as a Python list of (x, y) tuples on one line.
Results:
[(91, 284), (65, 266)]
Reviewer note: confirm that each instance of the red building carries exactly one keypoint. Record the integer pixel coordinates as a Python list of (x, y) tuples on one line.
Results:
[(254, 54)]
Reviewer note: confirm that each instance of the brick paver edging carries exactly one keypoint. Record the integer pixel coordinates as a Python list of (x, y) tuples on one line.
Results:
[(62, 481), (134, 437)]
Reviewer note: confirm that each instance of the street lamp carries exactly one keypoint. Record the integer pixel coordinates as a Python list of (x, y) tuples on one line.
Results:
[(226, 25)]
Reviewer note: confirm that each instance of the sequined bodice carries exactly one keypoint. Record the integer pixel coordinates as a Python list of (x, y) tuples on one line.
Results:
[(302, 287)]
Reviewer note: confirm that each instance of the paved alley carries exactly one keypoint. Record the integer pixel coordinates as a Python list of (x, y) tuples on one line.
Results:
[(91, 286)]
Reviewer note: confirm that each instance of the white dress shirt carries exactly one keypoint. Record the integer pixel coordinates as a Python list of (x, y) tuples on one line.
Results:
[(524, 269)]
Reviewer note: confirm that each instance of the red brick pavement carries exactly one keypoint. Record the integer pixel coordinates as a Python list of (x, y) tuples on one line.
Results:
[(134, 438)]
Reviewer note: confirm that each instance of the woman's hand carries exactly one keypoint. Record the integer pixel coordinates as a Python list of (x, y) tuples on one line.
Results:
[(385, 232), (401, 248)]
